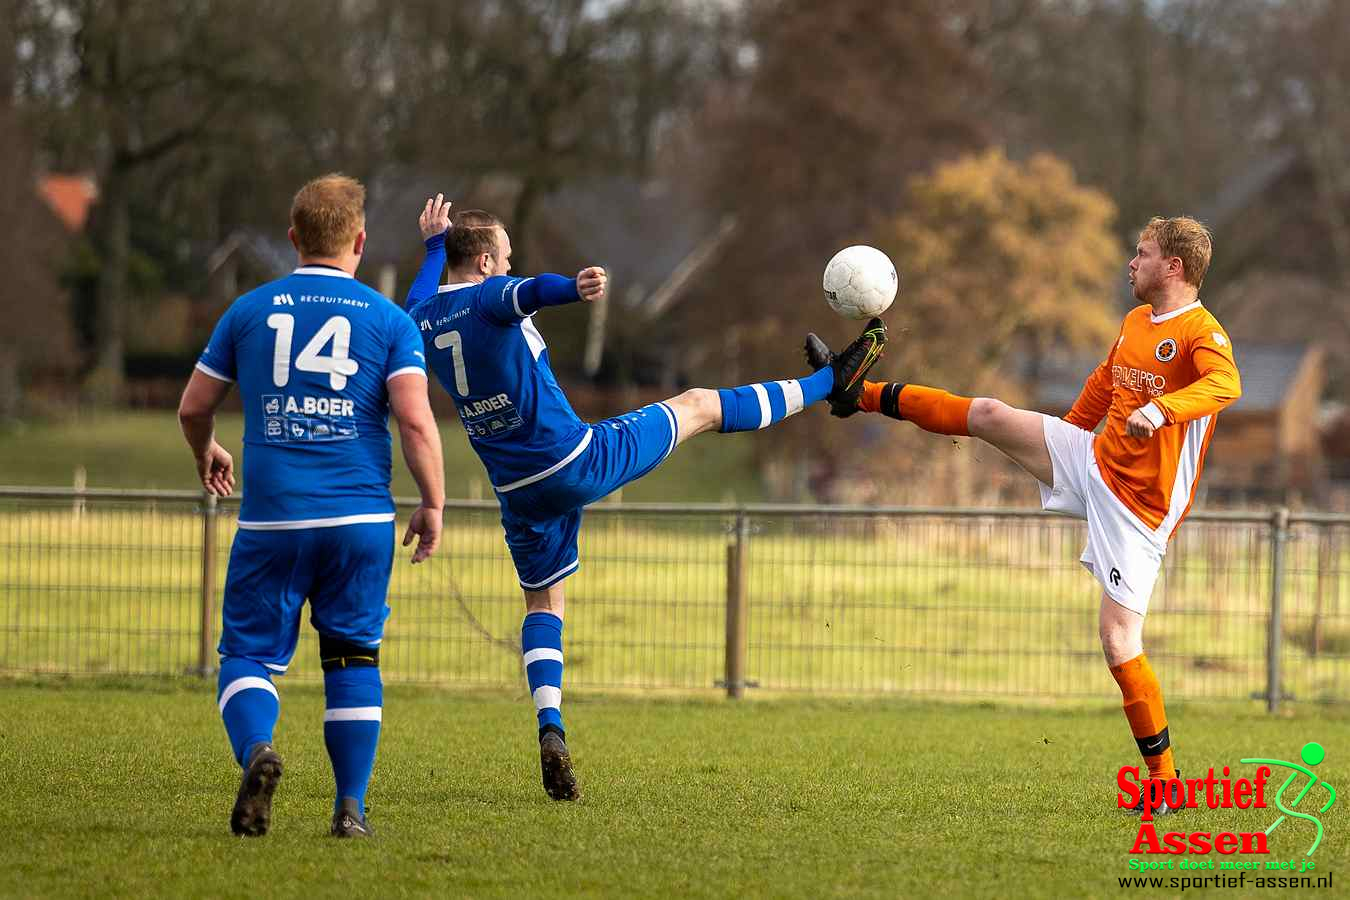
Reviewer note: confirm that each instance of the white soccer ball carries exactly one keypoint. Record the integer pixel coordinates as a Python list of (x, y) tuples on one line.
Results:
[(860, 282)]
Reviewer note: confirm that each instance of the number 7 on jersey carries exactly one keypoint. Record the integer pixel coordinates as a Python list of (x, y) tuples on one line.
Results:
[(451, 340)]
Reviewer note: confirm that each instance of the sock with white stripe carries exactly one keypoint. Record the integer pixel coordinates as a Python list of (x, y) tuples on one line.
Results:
[(248, 703), (541, 642), (756, 406), (351, 728)]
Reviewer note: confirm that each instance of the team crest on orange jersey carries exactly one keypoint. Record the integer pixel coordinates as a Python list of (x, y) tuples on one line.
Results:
[(1166, 350)]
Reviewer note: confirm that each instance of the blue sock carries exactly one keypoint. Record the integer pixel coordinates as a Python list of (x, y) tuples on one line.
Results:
[(760, 405), (248, 703), (541, 642), (351, 728)]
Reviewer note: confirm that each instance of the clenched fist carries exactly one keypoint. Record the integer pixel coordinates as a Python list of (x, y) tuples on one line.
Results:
[(591, 283)]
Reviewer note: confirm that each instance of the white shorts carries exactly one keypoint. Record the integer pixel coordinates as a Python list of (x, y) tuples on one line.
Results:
[(1122, 552)]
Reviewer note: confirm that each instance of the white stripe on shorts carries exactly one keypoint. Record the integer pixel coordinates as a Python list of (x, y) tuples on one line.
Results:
[(538, 584), (332, 522), (539, 476), (674, 428)]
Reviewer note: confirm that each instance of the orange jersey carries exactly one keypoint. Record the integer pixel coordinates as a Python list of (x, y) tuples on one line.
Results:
[(1179, 369)]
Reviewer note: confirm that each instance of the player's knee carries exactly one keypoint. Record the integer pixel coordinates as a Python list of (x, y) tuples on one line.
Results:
[(1120, 642), (702, 405), (336, 653)]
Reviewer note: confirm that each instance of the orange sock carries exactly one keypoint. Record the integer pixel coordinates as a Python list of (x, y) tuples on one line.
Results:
[(870, 399), (1148, 719), (930, 408)]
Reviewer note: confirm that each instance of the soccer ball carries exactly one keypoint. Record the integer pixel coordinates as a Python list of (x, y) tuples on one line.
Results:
[(860, 282)]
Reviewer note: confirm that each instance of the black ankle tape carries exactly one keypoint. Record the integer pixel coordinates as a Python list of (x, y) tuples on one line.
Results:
[(553, 728), (1155, 744), (335, 653), (890, 399)]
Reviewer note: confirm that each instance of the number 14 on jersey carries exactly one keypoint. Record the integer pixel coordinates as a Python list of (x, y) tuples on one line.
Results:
[(338, 367)]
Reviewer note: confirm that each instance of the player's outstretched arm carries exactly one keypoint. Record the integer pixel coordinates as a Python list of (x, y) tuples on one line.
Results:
[(197, 417), (422, 452), (533, 294), (433, 223)]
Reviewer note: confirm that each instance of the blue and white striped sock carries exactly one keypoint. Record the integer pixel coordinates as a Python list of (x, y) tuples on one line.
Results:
[(248, 703), (541, 643), (351, 728), (756, 406)]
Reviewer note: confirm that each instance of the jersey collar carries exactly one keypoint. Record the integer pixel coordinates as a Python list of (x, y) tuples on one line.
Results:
[(1174, 313), (447, 288), (321, 269)]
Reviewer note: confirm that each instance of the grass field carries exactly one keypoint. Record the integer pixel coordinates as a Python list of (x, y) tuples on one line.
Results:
[(143, 449), (124, 788)]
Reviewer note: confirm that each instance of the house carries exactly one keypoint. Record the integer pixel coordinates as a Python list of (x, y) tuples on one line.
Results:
[(39, 355), (650, 236), (250, 255), (1268, 444), (69, 197), (653, 239)]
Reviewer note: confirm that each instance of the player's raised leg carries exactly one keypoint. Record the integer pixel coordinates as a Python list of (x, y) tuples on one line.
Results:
[(755, 406), (1018, 433)]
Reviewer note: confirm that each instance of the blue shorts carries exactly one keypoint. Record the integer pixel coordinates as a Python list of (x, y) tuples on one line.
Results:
[(541, 520), (343, 571)]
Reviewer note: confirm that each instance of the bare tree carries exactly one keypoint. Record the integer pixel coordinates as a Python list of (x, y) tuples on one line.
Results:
[(1310, 90), (125, 89)]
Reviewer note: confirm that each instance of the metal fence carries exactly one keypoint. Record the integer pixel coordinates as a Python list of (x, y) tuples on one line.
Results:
[(775, 598)]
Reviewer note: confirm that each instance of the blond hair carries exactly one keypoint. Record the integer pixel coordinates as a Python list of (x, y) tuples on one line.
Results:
[(327, 215), (1184, 238)]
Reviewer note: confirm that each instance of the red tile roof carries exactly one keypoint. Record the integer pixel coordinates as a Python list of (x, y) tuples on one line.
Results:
[(69, 197)]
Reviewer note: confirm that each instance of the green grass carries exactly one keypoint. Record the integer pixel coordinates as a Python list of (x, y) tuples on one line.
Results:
[(139, 449), (910, 607), (124, 789)]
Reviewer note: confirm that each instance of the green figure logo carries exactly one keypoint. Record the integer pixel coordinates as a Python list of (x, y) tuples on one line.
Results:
[(1312, 754)]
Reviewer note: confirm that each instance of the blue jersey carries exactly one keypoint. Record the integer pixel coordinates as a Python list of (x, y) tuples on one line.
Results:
[(312, 353), (481, 342)]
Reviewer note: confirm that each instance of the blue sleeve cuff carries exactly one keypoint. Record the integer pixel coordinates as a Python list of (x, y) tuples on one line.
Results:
[(436, 241)]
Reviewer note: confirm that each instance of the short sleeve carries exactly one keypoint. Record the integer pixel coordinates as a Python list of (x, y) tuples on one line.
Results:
[(218, 359), (406, 355)]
